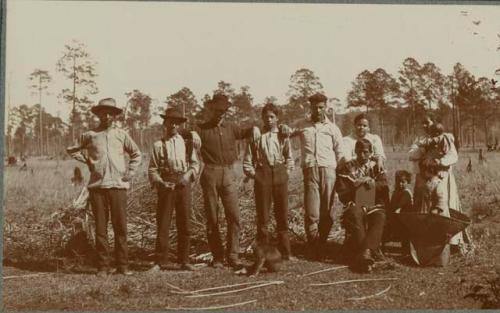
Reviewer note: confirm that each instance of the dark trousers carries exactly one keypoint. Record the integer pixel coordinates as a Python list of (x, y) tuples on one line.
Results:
[(106, 202), (218, 181), (179, 200), (363, 230), (271, 185)]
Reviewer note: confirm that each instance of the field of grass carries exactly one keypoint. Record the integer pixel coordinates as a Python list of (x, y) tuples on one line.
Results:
[(63, 284)]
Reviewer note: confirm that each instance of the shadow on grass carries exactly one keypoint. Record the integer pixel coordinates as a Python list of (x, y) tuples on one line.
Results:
[(143, 259), (330, 252)]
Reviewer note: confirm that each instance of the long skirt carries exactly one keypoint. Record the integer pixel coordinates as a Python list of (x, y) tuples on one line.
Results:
[(449, 182)]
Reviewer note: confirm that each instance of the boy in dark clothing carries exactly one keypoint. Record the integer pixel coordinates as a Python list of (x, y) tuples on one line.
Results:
[(401, 202), (402, 198)]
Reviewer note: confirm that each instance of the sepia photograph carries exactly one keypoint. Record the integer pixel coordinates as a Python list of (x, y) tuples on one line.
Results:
[(200, 156)]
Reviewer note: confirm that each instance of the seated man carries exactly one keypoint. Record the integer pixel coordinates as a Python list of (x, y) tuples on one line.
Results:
[(362, 188)]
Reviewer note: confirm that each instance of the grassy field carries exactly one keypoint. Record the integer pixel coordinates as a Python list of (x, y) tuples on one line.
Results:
[(63, 284)]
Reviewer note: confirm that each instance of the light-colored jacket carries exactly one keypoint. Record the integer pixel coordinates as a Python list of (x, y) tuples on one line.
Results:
[(169, 160), (321, 144), (105, 157)]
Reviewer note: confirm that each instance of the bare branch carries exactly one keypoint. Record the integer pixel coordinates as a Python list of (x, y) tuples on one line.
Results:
[(278, 282), (325, 270), (371, 296), (212, 307), (351, 281), (221, 287)]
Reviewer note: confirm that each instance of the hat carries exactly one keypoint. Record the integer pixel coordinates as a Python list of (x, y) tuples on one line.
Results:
[(219, 101), (106, 104), (317, 98), (173, 113)]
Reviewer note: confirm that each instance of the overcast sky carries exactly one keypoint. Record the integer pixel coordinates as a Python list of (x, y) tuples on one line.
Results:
[(160, 47)]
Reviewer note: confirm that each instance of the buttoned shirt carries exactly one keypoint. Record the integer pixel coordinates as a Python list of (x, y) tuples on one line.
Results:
[(270, 150), (168, 158), (321, 144), (353, 170), (350, 143), (218, 142), (105, 157)]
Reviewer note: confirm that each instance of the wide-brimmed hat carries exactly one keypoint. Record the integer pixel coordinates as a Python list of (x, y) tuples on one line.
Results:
[(219, 101), (107, 104), (174, 114), (317, 98)]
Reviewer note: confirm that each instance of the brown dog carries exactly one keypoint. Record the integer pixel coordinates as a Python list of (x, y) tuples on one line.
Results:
[(267, 256)]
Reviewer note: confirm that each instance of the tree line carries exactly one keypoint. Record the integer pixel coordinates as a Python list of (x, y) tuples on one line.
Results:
[(395, 103)]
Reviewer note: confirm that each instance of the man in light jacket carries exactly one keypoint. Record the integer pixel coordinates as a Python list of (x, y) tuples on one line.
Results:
[(110, 177)]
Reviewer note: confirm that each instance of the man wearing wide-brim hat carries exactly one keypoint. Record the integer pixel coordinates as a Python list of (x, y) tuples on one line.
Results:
[(172, 168), (219, 177), (110, 177)]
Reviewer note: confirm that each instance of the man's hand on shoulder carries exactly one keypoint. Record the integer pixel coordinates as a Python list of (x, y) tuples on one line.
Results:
[(285, 130), (196, 140), (255, 133)]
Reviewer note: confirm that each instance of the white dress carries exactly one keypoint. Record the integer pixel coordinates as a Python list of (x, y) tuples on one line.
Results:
[(442, 148)]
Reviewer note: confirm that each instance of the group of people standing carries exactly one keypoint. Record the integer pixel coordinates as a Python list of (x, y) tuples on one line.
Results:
[(352, 166)]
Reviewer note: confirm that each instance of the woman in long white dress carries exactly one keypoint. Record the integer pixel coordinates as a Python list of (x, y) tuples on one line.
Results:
[(437, 147)]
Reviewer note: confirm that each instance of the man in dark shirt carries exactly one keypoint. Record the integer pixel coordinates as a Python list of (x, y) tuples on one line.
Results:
[(219, 178)]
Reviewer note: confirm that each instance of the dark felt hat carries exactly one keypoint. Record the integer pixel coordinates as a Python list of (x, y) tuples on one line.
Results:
[(317, 98), (219, 101), (174, 114), (107, 104)]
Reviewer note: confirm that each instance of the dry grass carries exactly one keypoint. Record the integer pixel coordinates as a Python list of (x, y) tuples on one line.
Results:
[(46, 185), (31, 198)]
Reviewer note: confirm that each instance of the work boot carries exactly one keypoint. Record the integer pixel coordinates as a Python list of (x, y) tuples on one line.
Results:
[(365, 261), (155, 269), (290, 258), (103, 272), (124, 271), (236, 264), (217, 264), (187, 267), (378, 255)]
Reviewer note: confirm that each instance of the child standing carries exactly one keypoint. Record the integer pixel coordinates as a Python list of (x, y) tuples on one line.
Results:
[(401, 202), (402, 199)]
